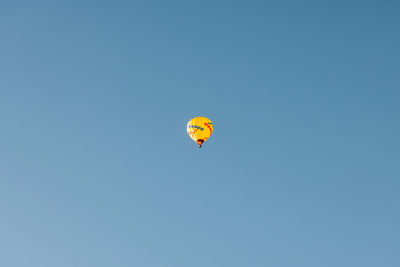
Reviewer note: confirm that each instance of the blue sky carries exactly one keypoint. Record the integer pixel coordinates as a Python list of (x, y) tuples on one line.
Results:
[(97, 168)]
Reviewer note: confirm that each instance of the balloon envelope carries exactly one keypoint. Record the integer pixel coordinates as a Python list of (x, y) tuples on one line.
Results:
[(200, 129)]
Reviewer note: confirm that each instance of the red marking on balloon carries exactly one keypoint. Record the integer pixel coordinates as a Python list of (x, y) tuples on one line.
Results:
[(191, 133), (209, 127)]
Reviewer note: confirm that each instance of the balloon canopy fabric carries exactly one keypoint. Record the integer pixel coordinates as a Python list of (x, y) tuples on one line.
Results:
[(200, 129)]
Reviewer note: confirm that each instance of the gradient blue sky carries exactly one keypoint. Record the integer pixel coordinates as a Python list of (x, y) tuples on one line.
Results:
[(96, 168)]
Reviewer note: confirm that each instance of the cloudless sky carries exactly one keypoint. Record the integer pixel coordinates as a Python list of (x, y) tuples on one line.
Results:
[(96, 167)]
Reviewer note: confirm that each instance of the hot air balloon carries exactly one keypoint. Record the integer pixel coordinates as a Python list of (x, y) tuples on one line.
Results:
[(199, 129)]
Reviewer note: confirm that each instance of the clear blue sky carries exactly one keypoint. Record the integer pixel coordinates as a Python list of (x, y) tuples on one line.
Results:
[(96, 167)]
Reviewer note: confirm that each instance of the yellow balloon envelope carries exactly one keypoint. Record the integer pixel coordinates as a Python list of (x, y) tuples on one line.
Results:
[(199, 129)]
